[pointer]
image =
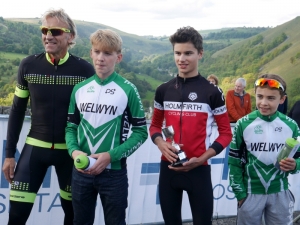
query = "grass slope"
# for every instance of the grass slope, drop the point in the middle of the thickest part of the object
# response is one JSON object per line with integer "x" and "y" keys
{"x": 281, "y": 64}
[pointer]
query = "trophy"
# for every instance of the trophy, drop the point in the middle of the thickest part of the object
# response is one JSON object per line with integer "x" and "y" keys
{"x": 169, "y": 133}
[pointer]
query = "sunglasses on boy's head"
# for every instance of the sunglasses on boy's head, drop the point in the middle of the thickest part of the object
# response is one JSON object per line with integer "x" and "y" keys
{"x": 54, "y": 31}
{"x": 271, "y": 82}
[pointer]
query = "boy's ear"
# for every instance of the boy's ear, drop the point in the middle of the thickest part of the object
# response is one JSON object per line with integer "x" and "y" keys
{"x": 91, "y": 53}
{"x": 282, "y": 99}
{"x": 200, "y": 55}
{"x": 119, "y": 57}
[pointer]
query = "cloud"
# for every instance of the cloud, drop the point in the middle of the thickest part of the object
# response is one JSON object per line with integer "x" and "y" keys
{"x": 158, "y": 9}
{"x": 164, "y": 17}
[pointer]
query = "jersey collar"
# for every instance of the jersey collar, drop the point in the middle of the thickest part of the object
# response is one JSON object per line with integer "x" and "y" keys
{"x": 61, "y": 61}
{"x": 107, "y": 80}
{"x": 188, "y": 79}
{"x": 267, "y": 118}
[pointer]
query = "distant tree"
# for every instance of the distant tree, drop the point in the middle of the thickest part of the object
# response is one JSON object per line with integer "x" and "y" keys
{"x": 146, "y": 103}
{"x": 1, "y": 43}
{"x": 33, "y": 50}
{"x": 292, "y": 60}
{"x": 16, "y": 62}
{"x": 7, "y": 101}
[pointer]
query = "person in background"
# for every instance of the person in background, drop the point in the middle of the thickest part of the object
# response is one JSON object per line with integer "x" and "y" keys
{"x": 47, "y": 79}
{"x": 260, "y": 188}
{"x": 238, "y": 102}
{"x": 190, "y": 104}
{"x": 103, "y": 109}
{"x": 213, "y": 79}
{"x": 295, "y": 112}
{"x": 283, "y": 107}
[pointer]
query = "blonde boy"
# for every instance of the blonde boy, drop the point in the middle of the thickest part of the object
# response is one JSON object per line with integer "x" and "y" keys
{"x": 102, "y": 110}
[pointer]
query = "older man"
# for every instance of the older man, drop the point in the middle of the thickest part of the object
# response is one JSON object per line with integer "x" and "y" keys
{"x": 238, "y": 102}
{"x": 47, "y": 79}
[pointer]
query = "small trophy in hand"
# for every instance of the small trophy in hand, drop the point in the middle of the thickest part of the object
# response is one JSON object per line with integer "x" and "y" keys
{"x": 169, "y": 133}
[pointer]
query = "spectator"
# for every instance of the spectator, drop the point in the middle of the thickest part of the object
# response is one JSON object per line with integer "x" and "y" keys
{"x": 213, "y": 79}
{"x": 238, "y": 102}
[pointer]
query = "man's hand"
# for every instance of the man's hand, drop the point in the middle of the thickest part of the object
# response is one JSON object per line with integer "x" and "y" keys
{"x": 75, "y": 153}
{"x": 103, "y": 159}
{"x": 288, "y": 164}
{"x": 9, "y": 169}
{"x": 167, "y": 149}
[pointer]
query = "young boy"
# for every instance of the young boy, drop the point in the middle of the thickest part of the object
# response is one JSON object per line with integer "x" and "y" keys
{"x": 190, "y": 104}
{"x": 102, "y": 110}
{"x": 260, "y": 188}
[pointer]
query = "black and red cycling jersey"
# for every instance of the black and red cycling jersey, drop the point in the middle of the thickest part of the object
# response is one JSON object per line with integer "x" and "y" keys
{"x": 191, "y": 105}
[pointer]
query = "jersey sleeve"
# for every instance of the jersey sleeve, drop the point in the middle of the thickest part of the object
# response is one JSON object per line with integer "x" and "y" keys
{"x": 73, "y": 121}
{"x": 17, "y": 113}
{"x": 158, "y": 115}
{"x": 221, "y": 117}
{"x": 234, "y": 161}
{"x": 138, "y": 127}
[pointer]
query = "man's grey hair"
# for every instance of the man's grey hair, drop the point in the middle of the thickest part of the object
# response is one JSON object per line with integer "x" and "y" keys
{"x": 242, "y": 81}
{"x": 62, "y": 16}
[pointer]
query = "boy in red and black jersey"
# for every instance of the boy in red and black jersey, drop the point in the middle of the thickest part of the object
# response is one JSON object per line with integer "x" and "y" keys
{"x": 190, "y": 104}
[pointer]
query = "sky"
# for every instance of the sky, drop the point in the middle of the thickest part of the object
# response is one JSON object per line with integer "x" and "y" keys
{"x": 162, "y": 17}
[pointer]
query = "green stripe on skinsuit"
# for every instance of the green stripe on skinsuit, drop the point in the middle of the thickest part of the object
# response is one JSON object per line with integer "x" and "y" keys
{"x": 43, "y": 144}
{"x": 21, "y": 93}
{"x": 66, "y": 195}
{"x": 20, "y": 196}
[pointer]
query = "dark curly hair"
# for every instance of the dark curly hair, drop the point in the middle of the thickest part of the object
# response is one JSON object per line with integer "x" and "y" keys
{"x": 187, "y": 34}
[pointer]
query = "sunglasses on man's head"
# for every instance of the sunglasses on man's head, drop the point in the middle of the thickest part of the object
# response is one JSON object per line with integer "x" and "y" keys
{"x": 271, "y": 82}
{"x": 54, "y": 31}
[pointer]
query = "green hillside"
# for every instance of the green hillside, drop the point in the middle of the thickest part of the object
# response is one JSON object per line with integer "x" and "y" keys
{"x": 229, "y": 53}
{"x": 282, "y": 59}
{"x": 138, "y": 45}
{"x": 14, "y": 47}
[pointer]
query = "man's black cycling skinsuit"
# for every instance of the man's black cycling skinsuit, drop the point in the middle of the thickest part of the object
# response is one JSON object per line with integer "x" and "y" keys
{"x": 49, "y": 85}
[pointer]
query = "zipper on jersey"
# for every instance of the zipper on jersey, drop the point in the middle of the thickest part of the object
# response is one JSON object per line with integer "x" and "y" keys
{"x": 53, "y": 101}
{"x": 181, "y": 100}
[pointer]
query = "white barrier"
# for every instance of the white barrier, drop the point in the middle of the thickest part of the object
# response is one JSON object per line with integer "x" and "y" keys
{"x": 143, "y": 201}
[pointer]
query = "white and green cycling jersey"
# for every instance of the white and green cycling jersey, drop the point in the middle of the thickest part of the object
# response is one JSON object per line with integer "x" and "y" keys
{"x": 101, "y": 115}
{"x": 263, "y": 137}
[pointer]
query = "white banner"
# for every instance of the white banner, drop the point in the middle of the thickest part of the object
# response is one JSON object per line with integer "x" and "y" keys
{"x": 143, "y": 201}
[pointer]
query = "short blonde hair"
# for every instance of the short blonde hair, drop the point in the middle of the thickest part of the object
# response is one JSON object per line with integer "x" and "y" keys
{"x": 214, "y": 77}
{"x": 62, "y": 16}
{"x": 107, "y": 39}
